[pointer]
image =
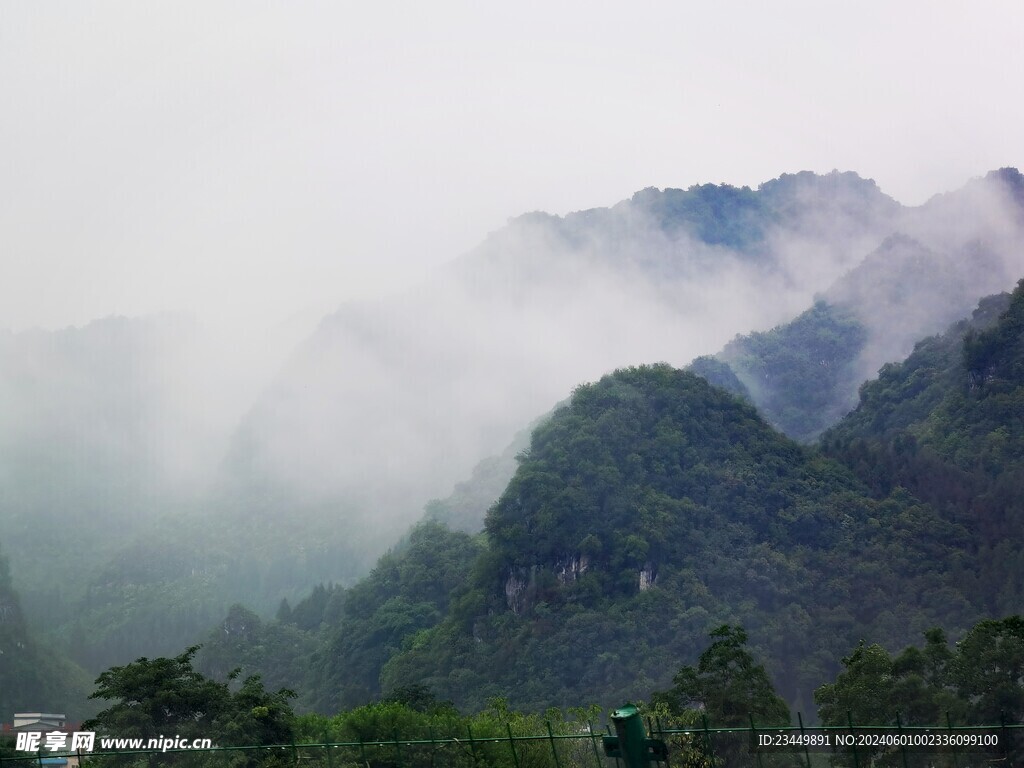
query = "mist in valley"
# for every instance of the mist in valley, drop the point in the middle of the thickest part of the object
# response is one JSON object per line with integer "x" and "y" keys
{"x": 263, "y": 303}
{"x": 290, "y": 469}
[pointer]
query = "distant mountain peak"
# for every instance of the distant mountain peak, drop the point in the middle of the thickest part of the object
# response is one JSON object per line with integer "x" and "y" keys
{"x": 1008, "y": 175}
{"x": 834, "y": 178}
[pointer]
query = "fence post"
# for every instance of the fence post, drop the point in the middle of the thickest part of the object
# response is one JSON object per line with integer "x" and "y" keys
{"x": 753, "y": 736}
{"x": 608, "y": 727}
{"x": 899, "y": 731}
{"x": 593, "y": 743}
{"x": 956, "y": 749}
{"x": 1002, "y": 734}
{"x": 327, "y": 746}
{"x": 803, "y": 737}
{"x": 398, "y": 749}
{"x": 707, "y": 738}
{"x": 362, "y": 752}
{"x": 472, "y": 744}
{"x": 849, "y": 719}
{"x": 551, "y": 738}
{"x": 512, "y": 745}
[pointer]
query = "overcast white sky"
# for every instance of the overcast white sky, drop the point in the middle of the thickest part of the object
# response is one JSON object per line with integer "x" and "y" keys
{"x": 252, "y": 161}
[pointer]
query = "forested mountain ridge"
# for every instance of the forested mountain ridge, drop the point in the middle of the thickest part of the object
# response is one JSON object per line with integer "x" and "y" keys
{"x": 744, "y": 220}
{"x": 804, "y": 375}
{"x": 949, "y": 366}
{"x": 652, "y": 507}
{"x": 548, "y": 301}
{"x": 948, "y": 424}
{"x": 331, "y": 646}
{"x": 543, "y": 303}
{"x": 392, "y": 402}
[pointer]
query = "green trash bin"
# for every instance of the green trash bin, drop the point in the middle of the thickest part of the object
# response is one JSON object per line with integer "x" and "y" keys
{"x": 630, "y": 742}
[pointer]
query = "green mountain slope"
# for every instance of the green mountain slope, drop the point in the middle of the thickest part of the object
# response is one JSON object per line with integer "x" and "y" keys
{"x": 654, "y": 506}
{"x": 409, "y": 591}
{"x": 804, "y": 375}
{"x": 390, "y": 403}
{"x": 554, "y": 300}
{"x": 465, "y": 507}
{"x": 332, "y": 646}
{"x": 948, "y": 424}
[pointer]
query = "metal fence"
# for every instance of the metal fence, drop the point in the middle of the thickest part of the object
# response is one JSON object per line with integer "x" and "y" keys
{"x": 701, "y": 746}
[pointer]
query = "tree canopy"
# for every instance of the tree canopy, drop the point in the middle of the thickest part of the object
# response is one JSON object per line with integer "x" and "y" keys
{"x": 157, "y": 697}
{"x": 727, "y": 684}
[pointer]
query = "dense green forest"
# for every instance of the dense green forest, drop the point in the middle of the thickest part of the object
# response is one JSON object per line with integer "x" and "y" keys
{"x": 648, "y": 509}
{"x": 804, "y": 375}
{"x": 948, "y": 425}
{"x": 979, "y": 681}
{"x": 618, "y": 272}
{"x": 653, "y": 506}
{"x": 332, "y": 645}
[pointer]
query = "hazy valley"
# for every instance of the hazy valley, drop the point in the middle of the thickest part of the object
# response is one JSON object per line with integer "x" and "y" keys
{"x": 146, "y": 490}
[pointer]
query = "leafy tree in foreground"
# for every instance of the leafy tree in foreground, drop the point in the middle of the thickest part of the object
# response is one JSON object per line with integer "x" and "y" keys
{"x": 727, "y": 683}
{"x": 989, "y": 669}
{"x": 417, "y": 697}
{"x": 977, "y": 682}
{"x": 502, "y": 737}
{"x": 864, "y": 689}
{"x": 733, "y": 691}
{"x": 167, "y": 697}
{"x": 156, "y": 696}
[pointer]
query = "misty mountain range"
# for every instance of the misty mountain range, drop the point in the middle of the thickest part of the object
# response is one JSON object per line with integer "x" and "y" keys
{"x": 651, "y": 507}
{"x": 127, "y": 434}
